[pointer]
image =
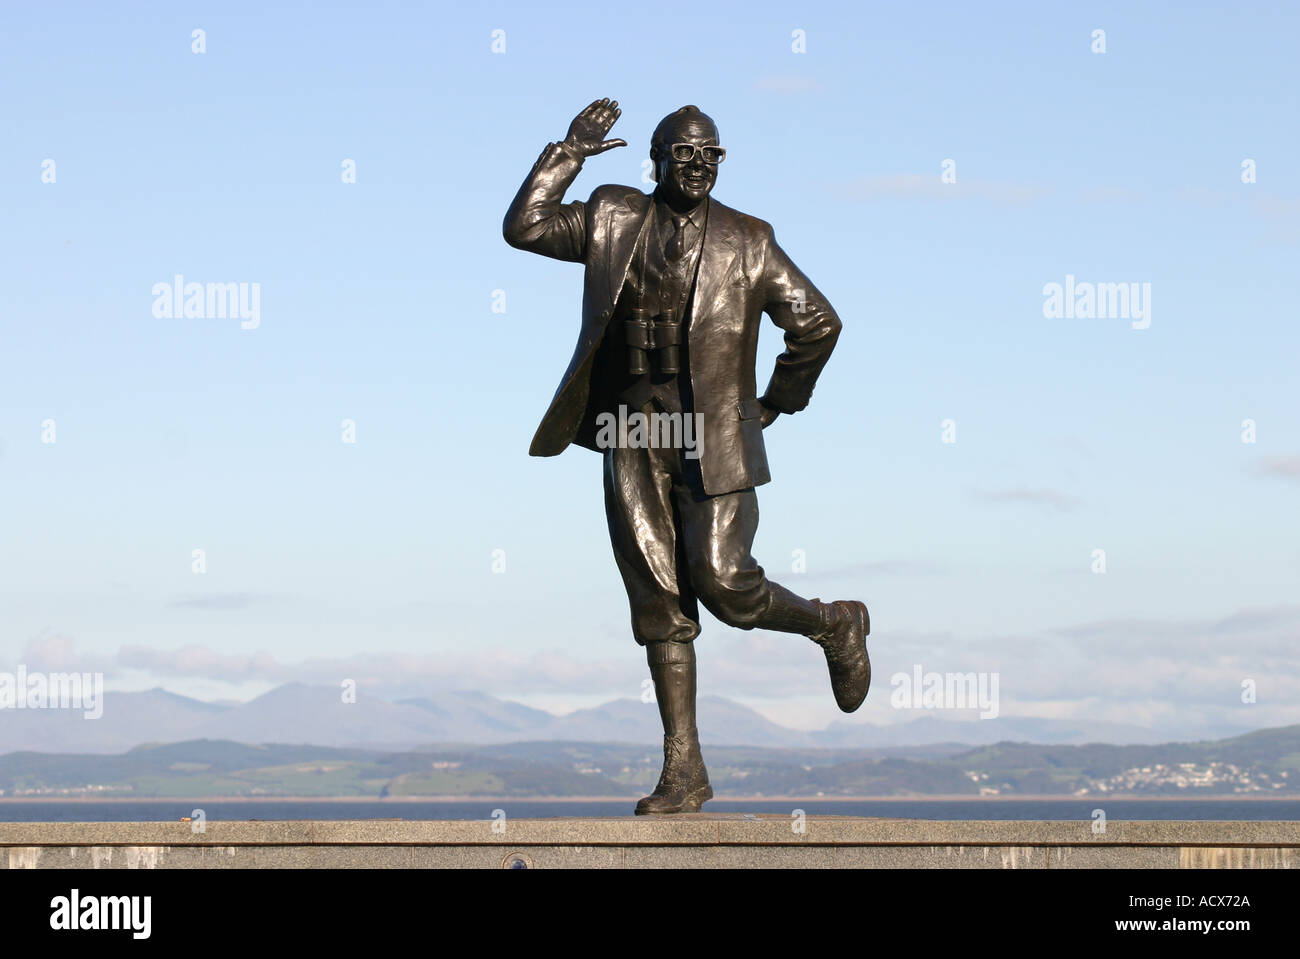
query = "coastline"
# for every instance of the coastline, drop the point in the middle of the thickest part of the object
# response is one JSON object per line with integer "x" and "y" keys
{"x": 631, "y": 797}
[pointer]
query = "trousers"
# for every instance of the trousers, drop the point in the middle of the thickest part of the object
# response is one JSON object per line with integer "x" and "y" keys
{"x": 677, "y": 547}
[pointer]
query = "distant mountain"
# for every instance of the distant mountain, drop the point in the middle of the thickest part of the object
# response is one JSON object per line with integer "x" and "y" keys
{"x": 930, "y": 729}
{"x": 298, "y": 713}
{"x": 1265, "y": 763}
{"x": 468, "y": 716}
{"x": 632, "y": 721}
{"x": 128, "y": 720}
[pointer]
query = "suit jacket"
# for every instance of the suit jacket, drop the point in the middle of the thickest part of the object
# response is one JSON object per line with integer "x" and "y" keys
{"x": 742, "y": 274}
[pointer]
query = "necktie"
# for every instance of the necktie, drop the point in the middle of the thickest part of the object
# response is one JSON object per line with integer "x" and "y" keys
{"x": 677, "y": 242}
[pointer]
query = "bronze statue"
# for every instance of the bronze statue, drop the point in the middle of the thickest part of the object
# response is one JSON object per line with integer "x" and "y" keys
{"x": 674, "y": 288}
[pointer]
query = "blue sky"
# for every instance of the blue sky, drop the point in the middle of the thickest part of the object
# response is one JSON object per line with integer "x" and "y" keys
{"x": 328, "y": 560}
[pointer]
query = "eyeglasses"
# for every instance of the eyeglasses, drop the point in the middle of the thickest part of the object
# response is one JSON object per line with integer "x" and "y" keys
{"x": 685, "y": 153}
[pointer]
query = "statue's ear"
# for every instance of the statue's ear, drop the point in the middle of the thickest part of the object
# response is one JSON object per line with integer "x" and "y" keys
{"x": 654, "y": 164}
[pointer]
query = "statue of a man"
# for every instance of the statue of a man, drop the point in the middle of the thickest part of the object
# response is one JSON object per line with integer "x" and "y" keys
{"x": 675, "y": 285}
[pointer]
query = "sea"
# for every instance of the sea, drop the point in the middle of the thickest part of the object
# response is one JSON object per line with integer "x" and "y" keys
{"x": 164, "y": 810}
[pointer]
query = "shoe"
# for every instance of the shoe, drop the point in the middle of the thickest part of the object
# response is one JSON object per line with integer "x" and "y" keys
{"x": 684, "y": 782}
{"x": 845, "y": 645}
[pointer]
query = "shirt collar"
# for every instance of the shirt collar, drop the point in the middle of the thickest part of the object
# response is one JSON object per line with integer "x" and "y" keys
{"x": 696, "y": 216}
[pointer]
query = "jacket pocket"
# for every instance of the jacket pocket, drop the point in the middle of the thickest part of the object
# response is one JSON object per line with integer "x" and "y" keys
{"x": 752, "y": 449}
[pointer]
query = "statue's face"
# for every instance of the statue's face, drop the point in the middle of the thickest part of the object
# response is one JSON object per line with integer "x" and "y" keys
{"x": 686, "y": 183}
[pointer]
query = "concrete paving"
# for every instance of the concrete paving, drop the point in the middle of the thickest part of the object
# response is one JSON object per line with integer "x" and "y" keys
{"x": 702, "y": 840}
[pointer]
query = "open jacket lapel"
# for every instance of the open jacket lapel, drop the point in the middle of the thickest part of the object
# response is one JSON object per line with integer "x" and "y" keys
{"x": 717, "y": 257}
{"x": 626, "y": 223}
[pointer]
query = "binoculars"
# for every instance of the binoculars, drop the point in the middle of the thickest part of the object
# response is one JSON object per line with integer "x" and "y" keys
{"x": 656, "y": 338}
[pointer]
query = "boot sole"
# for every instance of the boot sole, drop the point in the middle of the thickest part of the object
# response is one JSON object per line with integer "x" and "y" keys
{"x": 694, "y": 799}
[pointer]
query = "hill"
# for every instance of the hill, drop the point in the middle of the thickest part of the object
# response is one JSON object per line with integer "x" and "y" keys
{"x": 1262, "y": 763}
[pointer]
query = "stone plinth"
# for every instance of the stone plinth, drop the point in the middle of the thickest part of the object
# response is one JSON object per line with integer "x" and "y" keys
{"x": 696, "y": 841}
